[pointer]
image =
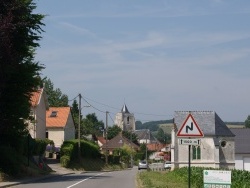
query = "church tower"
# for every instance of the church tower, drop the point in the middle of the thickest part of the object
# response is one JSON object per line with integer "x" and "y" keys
{"x": 125, "y": 120}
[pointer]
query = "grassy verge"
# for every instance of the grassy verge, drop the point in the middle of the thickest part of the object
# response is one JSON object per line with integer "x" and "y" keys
{"x": 151, "y": 179}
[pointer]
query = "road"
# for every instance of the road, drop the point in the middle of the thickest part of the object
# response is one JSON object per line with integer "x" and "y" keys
{"x": 114, "y": 179}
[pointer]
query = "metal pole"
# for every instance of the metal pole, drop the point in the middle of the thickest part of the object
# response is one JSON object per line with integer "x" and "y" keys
{"x": 189, "y": 169}
{"x": 131, "y": 157}
{"x": 106, "y": 129}
{"x": 147, "y": 147}
{"x": 79, "y": 132}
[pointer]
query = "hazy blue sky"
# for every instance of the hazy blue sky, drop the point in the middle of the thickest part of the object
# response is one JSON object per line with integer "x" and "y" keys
{"x": 157, "y": 56}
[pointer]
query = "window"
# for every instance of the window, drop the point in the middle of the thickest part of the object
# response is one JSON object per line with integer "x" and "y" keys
{"x": 223, "y": 143}
{"x": 53, "y": 114}
{"x": 127, "y": 120}
{"x": 47, "y": 134}
{"x": 196, "y": 152}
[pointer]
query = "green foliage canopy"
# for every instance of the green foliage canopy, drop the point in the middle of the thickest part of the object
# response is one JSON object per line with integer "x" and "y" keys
{"x": 55, "y": 96}
{"x": 20, "y": 31}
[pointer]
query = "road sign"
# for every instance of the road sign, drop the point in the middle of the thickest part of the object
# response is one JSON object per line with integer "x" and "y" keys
{"x": 183, "y": 141}
{"x": 190, "y": 128}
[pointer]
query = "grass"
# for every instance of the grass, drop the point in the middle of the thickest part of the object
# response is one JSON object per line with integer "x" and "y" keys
{"x": 152, "y": 179}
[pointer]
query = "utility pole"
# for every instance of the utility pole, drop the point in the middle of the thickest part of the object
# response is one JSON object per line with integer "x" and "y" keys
{"x": 79, "y": 132}
{"x": 106, "y": 130}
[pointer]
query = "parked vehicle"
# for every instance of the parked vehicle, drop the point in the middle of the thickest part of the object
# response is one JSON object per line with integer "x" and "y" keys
{"x": 167, "y": 165}
{"x": 142, "y": 165}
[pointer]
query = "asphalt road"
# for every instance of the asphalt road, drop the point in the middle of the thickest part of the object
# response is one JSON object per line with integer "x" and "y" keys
{"x": 114, "y": 179}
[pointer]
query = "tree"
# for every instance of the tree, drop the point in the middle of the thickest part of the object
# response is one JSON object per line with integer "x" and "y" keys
{"x": 247, "y": 122}
{"x": 130, "y": 136}
{"x": 75, "y": 115}
{"x": 55, "y": 96}
{"x": 113, "y": 131}
{"x": 20, "y": 31}
{"x": 91, "y": 125}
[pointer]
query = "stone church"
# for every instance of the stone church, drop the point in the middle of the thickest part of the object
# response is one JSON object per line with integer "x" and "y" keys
{"x": 125, "y": 120}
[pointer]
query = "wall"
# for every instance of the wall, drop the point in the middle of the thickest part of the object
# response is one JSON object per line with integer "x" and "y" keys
{"x": 57, "y": 135}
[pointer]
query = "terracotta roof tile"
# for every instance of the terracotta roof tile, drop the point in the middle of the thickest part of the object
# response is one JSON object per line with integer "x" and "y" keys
{"x": 60, "y": 118}
{"x": 35, "y": 97}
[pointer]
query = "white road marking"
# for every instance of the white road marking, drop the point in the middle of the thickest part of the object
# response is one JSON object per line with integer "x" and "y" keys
{"x": 84, "y": 180}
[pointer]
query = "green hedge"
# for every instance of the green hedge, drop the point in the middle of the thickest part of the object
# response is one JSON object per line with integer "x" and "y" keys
{"x": 88, "y": 150}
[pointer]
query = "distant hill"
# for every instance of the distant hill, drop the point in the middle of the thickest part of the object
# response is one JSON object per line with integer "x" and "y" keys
{"x": 167, "y": 125}
{"x": 152, "y": 125}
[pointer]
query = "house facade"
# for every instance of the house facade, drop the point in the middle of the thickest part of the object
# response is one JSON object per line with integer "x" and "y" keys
{"x": 217, "y": 147}
{"x": 39, "y": 105}
{"x": 59, "y": 125}
{"x": 125, "y": 120}
{"x": 242, "y": 148}
{"x": 117, "y": 142}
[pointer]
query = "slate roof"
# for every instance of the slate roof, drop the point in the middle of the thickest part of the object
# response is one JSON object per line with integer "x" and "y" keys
{"x": 124, "y": 109}
{"x": 242, "y": 140}
{"x": 144, "y": 134}
{"x": 119, "y": 141}
{"x": 60, "y": 118}
{"x": 208, "y": 121}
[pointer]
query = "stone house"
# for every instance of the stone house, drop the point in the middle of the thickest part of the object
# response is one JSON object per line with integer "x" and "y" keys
{"x": 59, "y": 125}
{"x": 217, "y": 147}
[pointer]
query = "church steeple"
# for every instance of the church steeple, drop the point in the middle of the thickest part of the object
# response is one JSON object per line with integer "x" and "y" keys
{"x": 124, "y": 109}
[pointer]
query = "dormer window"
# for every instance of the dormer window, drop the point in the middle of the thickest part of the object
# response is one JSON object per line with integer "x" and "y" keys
{"x": 53, "y": 114}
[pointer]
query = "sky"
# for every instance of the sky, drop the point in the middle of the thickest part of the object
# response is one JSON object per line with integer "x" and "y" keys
{"x": 155, "y": 56}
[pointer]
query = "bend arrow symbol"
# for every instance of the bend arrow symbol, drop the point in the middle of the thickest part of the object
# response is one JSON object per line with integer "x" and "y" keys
{"x": 190, "y": 128}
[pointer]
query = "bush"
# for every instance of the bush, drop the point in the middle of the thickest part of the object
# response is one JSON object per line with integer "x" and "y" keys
{"x": 65, "y": 161}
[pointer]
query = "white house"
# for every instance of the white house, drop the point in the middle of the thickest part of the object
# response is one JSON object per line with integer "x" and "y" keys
{"x": 217, "y": 147}
{"x": 59, "y": 125}
{"x": 39, "y": 105}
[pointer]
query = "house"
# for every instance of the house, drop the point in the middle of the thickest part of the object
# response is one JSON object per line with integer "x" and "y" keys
{"x": 100, "y": 141}
{"x": 145, "y": 136}
{"x": 216, "y": 148}
{"x": 39, "y": 105}
{"x": 59, "y": 125}
{"x": 125, "y": 120}
{"x": 117, "y": 142}
{"x": 242, "y": 148}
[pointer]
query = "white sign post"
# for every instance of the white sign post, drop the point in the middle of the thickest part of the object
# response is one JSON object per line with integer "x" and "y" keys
{"x": 189, "y": 129}
{"x": 184, "y": 141}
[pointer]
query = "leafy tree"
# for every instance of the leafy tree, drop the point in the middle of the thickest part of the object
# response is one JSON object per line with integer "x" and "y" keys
{"x": 247, "y": 122}
{"x": 75, "y": 115}
{"x": 19, "y": 74}
{"x": 162, "y": 136}
{"x": 130, "y": 136}
{"x": 91, "y": 125}
{"x": 55, "y": 96}
{"x": 113, "y": 131}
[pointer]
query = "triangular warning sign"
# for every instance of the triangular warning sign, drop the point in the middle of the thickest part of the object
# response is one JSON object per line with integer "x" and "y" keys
{"x": 190, "y": 128}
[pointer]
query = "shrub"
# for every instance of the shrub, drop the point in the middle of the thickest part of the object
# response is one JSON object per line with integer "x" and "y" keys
{"x": 65, "y": 161}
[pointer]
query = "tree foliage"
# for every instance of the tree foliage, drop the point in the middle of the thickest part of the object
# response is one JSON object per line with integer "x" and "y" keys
{"x": 55, "y": 96}
{"x": 130, "y": 136}
{"x": 20, "y": 31}
{"x": 113, "y": 131}
{"x": 91, "y": 125}
{"x": 247, "y": 122}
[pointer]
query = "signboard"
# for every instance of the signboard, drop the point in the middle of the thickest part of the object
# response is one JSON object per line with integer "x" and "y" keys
{"x": 184, "y": 141}
{"x": 190, "y": 128}
{"x": 217, "y": 178}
